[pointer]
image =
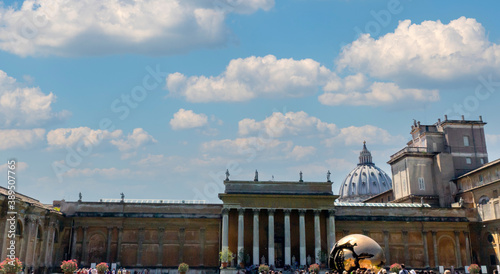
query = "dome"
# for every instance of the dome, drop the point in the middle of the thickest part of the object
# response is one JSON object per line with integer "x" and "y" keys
{"x": 365, "y": 181}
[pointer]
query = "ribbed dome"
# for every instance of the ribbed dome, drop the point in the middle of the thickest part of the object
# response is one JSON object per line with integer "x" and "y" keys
{"x": 365, "y": 180}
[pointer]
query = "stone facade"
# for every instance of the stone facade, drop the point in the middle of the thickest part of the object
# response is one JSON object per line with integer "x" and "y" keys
{"x": 39, "y": 233}
{"x": 449, "y": 218}
{"x": 436, "y": 155}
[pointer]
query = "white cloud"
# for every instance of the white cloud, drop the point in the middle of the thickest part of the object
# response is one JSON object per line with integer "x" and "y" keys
{"x": 300, "y": 152}
{"x": 185, "y": 119}
{"x": 66, "y": 137}
{"x": 252, "y": 77}
{"x": 492, "y": 139}
{"x": 106, "y": 172}
{"x": 69, "y": 137}
{"x": 20, "y": 138}
{"x": 246, "y": 146}
{"x": 291, "y": 123}
{"x": 430, "y": 50}
{"x": 25, "y": 106}
{"x": 356, "y": 135}
{"x": 377, "y": 94}
{"x": 245, "y": 79}
{"x": 139, "y": 137}
{"x": 151, "y": 160}
{"x": 57, "y": 27}
{"x": 20, "y": 166}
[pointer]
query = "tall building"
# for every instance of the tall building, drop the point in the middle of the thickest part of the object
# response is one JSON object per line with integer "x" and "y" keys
{"x": 424, "y": 170}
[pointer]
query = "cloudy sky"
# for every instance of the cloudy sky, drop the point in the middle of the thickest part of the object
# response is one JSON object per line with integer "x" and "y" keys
{"x": 156, "y": 99}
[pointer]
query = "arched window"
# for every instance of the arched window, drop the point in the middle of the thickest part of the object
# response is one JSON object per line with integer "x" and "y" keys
{"x": 483, "y": 200}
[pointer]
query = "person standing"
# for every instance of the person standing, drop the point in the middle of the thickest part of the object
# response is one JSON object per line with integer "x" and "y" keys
{"x": 403, "y": 269}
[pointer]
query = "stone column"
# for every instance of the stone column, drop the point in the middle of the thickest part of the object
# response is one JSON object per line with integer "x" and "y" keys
{"x": 241, "y": 234}
{"x": 457, "y": 248}
{"x": 119, "y": 245}
{"x": 317, "y": 236}
{"x": 5, "y": 240}
{"x": 108, "y": 244}
{"x": 426, "y": 249}
{"x": 386, "y": 246}
{"x": 44, "y": 246}
{"x": 256, "y": 236}
{"x": 35, "y": 241}
{"x": 49, "y": 261}
{"x": 73, "y": 243}
{"x": 467, "y": 248}
{"x": 330, "y": 230}
{"x": 84, "y": 246}
{"x": 46, "y": 243}
{"x": 302, "y": 233}
{"x": 405, "y": 241}
{"x": 270, "y": 237}
{"x": 27, "y": 237}
{"x": 288, "y": 251}
{"x": 53, "y": 237}
{"x": 202, "y": 246}
{"x": 434, "y": 243}
{"x": 139, "y": 246}
{"x": 225, "y": 228}
{"x": 161, "y": 233}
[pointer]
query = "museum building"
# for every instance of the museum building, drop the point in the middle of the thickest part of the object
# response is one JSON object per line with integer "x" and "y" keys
{"x": 440, "y": 208}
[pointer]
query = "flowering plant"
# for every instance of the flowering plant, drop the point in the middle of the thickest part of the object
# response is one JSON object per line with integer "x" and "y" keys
{"x": 474, "y": 269}
{"x": 225, "y": 255}
{"x": 395, "y": 268}
{"x": 69, "y": 266}
{"x": 314, "y": 268}
{"x": 263, "y": 268}
{"x": 102, "y": 267}
{"x": 183, "y": 267}
{"x": 11, "y": 266}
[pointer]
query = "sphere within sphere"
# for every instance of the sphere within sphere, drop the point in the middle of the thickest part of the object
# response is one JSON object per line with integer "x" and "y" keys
{"x": 356, "y": 251}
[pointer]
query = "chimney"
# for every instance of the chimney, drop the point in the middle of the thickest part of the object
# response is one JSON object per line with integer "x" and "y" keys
{"x": 439, "y": 120}
{"x": 446, "y": 117}
{"x": 463, "y": 118}
{"x": 480, "y": 118}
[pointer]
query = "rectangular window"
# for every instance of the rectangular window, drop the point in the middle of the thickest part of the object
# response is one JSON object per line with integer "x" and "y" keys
{"x": 481, "y": 179}
{"x": 466, "y": 141}
{"x": 468, "y": 161}
{"x": 482, "y": 161}
{"x": 421, "y": 183}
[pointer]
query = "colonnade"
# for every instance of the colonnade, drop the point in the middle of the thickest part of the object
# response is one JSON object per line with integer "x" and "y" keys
{"x": 330, "y": 229}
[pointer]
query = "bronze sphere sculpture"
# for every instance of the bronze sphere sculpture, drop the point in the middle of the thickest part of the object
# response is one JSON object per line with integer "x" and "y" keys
{"x": 356, "y": 251}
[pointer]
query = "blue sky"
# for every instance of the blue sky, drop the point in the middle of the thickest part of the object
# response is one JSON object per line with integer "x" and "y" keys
{"x": 157, "y": 99}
